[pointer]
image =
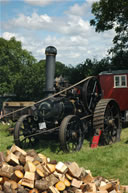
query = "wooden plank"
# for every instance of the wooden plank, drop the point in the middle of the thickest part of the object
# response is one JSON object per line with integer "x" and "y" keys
{"x": 18, "y": 104}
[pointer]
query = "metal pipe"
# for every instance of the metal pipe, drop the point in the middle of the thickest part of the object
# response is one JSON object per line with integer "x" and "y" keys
{"x": 50, "y": 52}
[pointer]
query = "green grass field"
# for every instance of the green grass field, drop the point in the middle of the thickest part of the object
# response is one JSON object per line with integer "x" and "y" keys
{"x": 108, "y": 161}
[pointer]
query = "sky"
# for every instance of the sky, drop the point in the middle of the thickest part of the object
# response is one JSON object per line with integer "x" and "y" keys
{"x": 64, "y": 24}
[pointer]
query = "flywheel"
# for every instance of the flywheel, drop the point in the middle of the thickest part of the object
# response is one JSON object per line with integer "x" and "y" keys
{"x": 91, "y": 93}
{"x": 107, "y": 119}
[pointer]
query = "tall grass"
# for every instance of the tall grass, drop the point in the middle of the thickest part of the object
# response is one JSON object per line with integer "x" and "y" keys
{"x": 108, "y": 161}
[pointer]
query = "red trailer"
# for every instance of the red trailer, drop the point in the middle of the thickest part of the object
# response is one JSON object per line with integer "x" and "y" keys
{"x": 114, "y": 85}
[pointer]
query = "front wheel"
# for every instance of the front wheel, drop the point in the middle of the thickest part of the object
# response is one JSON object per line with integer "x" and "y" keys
{"x": 24, "y": 131}
{"x": 71, "y": 133}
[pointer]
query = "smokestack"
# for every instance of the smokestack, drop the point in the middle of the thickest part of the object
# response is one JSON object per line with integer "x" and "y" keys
{"x": 50, "y": 68}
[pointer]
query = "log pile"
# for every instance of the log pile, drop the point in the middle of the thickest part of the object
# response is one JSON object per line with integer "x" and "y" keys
{"x": 29, "y": 172}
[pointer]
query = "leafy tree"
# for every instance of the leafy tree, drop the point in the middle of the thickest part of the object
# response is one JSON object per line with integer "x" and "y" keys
{"x": 13, "y": 60}
{"x": 30, "y": 82}
{"x": 112, "y": 14}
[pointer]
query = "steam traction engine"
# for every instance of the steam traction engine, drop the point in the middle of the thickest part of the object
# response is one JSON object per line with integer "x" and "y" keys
{"x": 74, "y": 113}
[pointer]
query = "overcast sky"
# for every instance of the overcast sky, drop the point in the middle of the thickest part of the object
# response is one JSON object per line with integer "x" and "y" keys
{"x": 60, "y": 23}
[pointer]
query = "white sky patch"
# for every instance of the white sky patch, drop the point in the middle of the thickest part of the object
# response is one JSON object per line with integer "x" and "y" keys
{"x": 41, "y": 2}
{"x": 34, "y": 21}
{"x": 8, "y": 36}
{"x": 82, "y": 9}
{"x": 71, "y": 33}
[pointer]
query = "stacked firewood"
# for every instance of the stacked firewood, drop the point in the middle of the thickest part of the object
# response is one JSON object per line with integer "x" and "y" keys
{"x": 29, "y": 172}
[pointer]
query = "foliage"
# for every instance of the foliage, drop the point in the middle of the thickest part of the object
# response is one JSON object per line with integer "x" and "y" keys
{"x": 87, "y": 68}
{"x": 30, "y": 82}
{"x": 13, "y": 60}
{"x": 109, "y": 161}
{"x": 111, "y": 14}
{"x": 20, "y": 73}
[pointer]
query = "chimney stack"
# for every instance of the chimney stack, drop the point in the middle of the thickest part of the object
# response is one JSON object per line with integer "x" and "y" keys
{"x": 50, "y": 52}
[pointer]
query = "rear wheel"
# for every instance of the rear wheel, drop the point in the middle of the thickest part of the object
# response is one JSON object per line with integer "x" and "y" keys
{"x": 107, "y": 118}
{"x": 71, "y": 133}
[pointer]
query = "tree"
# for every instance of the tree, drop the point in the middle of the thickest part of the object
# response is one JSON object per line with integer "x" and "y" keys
{"x": 21, "y": 74}
{"x": 30, "y": 83}
{"x": 112, "y": 14}
{"x": 13, "y": 61}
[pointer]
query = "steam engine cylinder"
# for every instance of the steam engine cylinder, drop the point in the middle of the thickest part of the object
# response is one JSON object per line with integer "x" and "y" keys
{"x": 54, "y": 109}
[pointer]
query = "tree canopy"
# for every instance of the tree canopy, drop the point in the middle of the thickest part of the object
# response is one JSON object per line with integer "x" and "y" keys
{"x": 20, "y": 73}
{"x": 17, "y": 69}
{"x": 112, "y": 14}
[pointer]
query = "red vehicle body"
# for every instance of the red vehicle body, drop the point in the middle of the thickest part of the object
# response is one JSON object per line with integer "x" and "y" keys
{"x": 114, "y": 85}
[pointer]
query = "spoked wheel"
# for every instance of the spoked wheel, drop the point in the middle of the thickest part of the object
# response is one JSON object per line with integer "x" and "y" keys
{"x": 71, "y": 134}
{"x": 24, "y": 129}
{"x": 91, "y": 93}
{"x": 107, "y": 118}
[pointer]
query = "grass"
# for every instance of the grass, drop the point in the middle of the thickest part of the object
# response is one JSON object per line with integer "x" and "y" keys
{"x": 108, "y": 161}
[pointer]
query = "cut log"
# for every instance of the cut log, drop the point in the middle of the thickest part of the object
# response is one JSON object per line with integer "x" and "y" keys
{"x": 21, "y": 189}
{"x": 44, "y": 192}
{"x": 12, "y": 159}
{"x": 78, "y": 191}
{"x": 105, "y": 187}
{"x": 43, "y": 157}
{"x": 29, "y": 166}
{"x": 5, "y": 174}
{"x": 83, "y": 173}
{"x": 2, "y": 157}
{"x": 29, "y": 158}
{"x": 18, "y": 154}
{"x": 113, "y": 191}
{"x": 15, "y": 148}
{"x": 19, "y": 167}
{"x": 51, "y": 180}
{"x": 7, "y": 168}
{"x": 17, "y": 175}
{"x": 22, "y": 159}
{"x": 87, "y": 179}
{"x": 69, "y": 176}
{"x": 124, "y": 188}
{"x": 76, "y": 183}
{"x": 41, "y": 185}
{"x": 20, "y": 182}
{"x": 105, "y": 191}
{"x": 91, "y": 187}
{"x": 52, "y": 189}
{"x": 53, "y": 162}
{"x": 39, "y": 172}
{"x": 45, "y": 170}
{"x": 28, "y": 179}
{"x": 60, "y": 186}
{"x": 14, "y": 185}
{"x": 102, "y": 183}
{"x": 1, "y": 180}
{"x": 5, "y": 179}
{"x": 74, "y": 169}
{"x": 1, "y": 188}
{"x": 58, "y": 175}
{"x": 34, "y": 190}
{"x": 32, "y": 153}
{"x": 67, "y": 183}
{"x": 36, "y": 162}
{"x": 61, "y": 167}
{"x": 51, "y": 167}
{"x": 7, "y": 187}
